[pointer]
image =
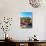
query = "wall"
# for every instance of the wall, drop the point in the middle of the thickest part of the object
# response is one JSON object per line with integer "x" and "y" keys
{"x": 11, "y": 8}
{"x": 45, "y": 28}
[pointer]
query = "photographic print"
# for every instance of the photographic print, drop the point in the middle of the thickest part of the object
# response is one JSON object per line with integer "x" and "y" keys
{"x": 26, "y": 19}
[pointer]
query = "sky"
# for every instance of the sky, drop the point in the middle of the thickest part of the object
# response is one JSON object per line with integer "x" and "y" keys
{"x": 26, "y": 14}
